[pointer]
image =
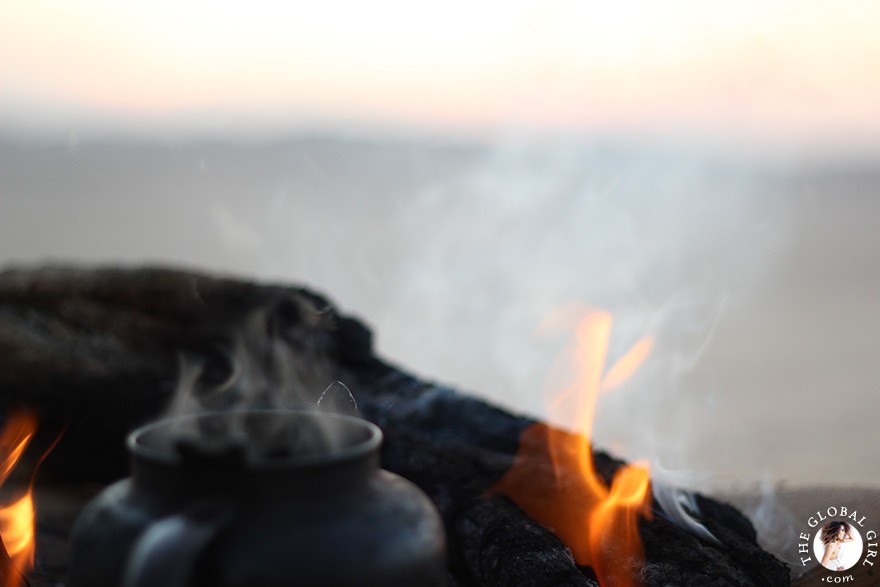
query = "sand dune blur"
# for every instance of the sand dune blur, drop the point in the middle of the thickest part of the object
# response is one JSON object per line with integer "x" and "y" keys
{"x": 759, "y": 278}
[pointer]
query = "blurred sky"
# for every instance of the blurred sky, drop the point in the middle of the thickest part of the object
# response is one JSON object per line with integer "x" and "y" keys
{"x": 777, "y": 71}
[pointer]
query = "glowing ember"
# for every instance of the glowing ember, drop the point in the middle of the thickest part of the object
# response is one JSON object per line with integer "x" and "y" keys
{"x": 17, "y": 519}
{"x": 553, "y": 478}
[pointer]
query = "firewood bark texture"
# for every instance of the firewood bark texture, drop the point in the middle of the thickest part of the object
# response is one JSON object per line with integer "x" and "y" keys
{"x": 100, "y": 351}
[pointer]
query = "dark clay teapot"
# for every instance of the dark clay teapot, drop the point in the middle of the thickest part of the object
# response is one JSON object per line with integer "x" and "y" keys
{"x": 259, "y": 498}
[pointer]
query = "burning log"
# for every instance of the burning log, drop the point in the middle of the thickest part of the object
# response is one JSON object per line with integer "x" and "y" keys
{"x": 102, "y": 351}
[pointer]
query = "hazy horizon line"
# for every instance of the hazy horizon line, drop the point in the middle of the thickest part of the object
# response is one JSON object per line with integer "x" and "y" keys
{"x": 859, "y": 151}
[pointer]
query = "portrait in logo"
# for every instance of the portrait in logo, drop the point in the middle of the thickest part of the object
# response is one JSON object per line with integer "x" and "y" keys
{"x": 837, "y": 545}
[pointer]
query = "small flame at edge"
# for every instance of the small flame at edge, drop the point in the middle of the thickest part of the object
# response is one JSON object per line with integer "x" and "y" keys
{"x": 17, "y": 520}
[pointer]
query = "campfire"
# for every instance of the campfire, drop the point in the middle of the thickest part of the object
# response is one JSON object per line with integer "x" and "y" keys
{"x": 597, "y": 522}
{"x": 521, "y": 502}
{"x": 17, "y": 518}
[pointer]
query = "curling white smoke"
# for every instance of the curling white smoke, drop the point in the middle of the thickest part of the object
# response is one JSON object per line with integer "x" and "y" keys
{"x": 252, "y": 373}
{"x": 664, "y": 242}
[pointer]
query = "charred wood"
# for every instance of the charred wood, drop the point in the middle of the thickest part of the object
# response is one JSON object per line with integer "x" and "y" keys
{"x": 99, "y": 352}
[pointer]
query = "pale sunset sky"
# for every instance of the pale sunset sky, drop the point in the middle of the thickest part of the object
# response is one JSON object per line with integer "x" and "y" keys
{"x": 766, "y": 69}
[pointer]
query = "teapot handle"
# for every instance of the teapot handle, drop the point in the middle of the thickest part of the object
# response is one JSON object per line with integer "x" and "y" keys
{"x": 165, "y": 554}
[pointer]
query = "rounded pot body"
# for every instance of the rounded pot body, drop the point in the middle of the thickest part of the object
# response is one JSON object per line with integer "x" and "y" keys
{"x": 211, "y": 513}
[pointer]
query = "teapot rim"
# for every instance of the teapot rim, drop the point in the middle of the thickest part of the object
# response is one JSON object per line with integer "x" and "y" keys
{"x": 370, "y": 438}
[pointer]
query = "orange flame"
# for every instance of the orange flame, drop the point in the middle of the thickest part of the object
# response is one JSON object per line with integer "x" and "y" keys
{"x": 17, "y": 519}
{"x": 553, "y": 478}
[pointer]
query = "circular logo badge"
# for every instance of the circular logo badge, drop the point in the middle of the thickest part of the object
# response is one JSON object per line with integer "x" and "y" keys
{"x": 837, "y": 545}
